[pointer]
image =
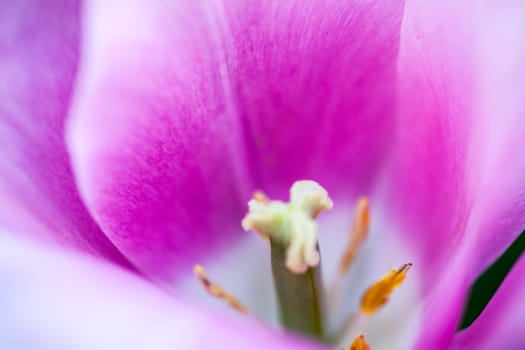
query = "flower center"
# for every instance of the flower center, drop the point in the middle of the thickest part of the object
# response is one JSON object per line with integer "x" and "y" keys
{"x": 291, "y": 230}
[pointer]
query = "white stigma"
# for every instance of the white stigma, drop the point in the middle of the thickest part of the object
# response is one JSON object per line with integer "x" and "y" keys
{"x": 293, "y": 224}
{"x": 310, "y": 196}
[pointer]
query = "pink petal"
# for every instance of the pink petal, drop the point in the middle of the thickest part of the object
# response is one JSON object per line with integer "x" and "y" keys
{"x": 430, "y": 196}
{"x": 173, "y": 97}
{"x": 500, "y": 325}
{"x": 38, "y": 62}
{"x": 316, "y": 87}
{"x": 52, "y": 299}
{"x": 156, "y": 143}
{"x": 459, "y": 185}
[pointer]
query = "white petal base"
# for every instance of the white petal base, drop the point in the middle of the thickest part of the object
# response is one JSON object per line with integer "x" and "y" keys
{"x": 245, "y": 271}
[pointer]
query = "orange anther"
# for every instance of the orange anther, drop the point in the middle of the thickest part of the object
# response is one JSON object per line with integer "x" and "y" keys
{"x": 358, "y": 235}
{"x": 377, "y": 295}
{"x": 360, "y": 343}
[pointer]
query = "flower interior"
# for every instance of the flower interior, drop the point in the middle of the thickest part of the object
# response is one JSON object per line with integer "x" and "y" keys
{"x": 291, "y": 232}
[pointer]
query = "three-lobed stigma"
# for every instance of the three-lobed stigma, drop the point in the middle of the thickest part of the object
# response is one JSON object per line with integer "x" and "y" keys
{"x": 291, "y": 224}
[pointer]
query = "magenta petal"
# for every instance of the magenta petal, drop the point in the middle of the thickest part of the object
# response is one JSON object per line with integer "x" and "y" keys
{"x": 52, "y": 299}
{"x": 500, "y": 325}
{"x": 155, "y": 139}
{"x": 38, "y": 62}
{"x": 315, "y": 82}
{"x": 169, "y": 98}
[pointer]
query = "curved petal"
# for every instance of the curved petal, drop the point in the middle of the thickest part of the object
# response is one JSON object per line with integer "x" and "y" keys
{"x": 459, "y": 185}
{"x": 38, "y": 62}
{"x": 430, "y": 197}
{"x": 500, "y": 325}
{"x": 182, "y": 87}
{"x": 155, "y": 141}
{"x": 315, "y": 81}
{"x": 499, "y": 174}
{"x": 52, "y": 299}
{"x": 460, "y": 125}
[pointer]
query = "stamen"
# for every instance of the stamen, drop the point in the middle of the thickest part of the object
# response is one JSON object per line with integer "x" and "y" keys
{"x": 377, "y": 295}
{"x": 358, "y": 235}
{"x": 360, "y": 343}
{"x": 217, "y": 291}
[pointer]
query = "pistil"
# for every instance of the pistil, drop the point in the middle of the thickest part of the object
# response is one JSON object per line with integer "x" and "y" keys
{"x": 298, "y": 294}
{"x": 292, "y": 231}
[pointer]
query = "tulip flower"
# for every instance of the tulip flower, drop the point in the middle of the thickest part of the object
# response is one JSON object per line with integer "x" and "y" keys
{"x": 134, "y": 133}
